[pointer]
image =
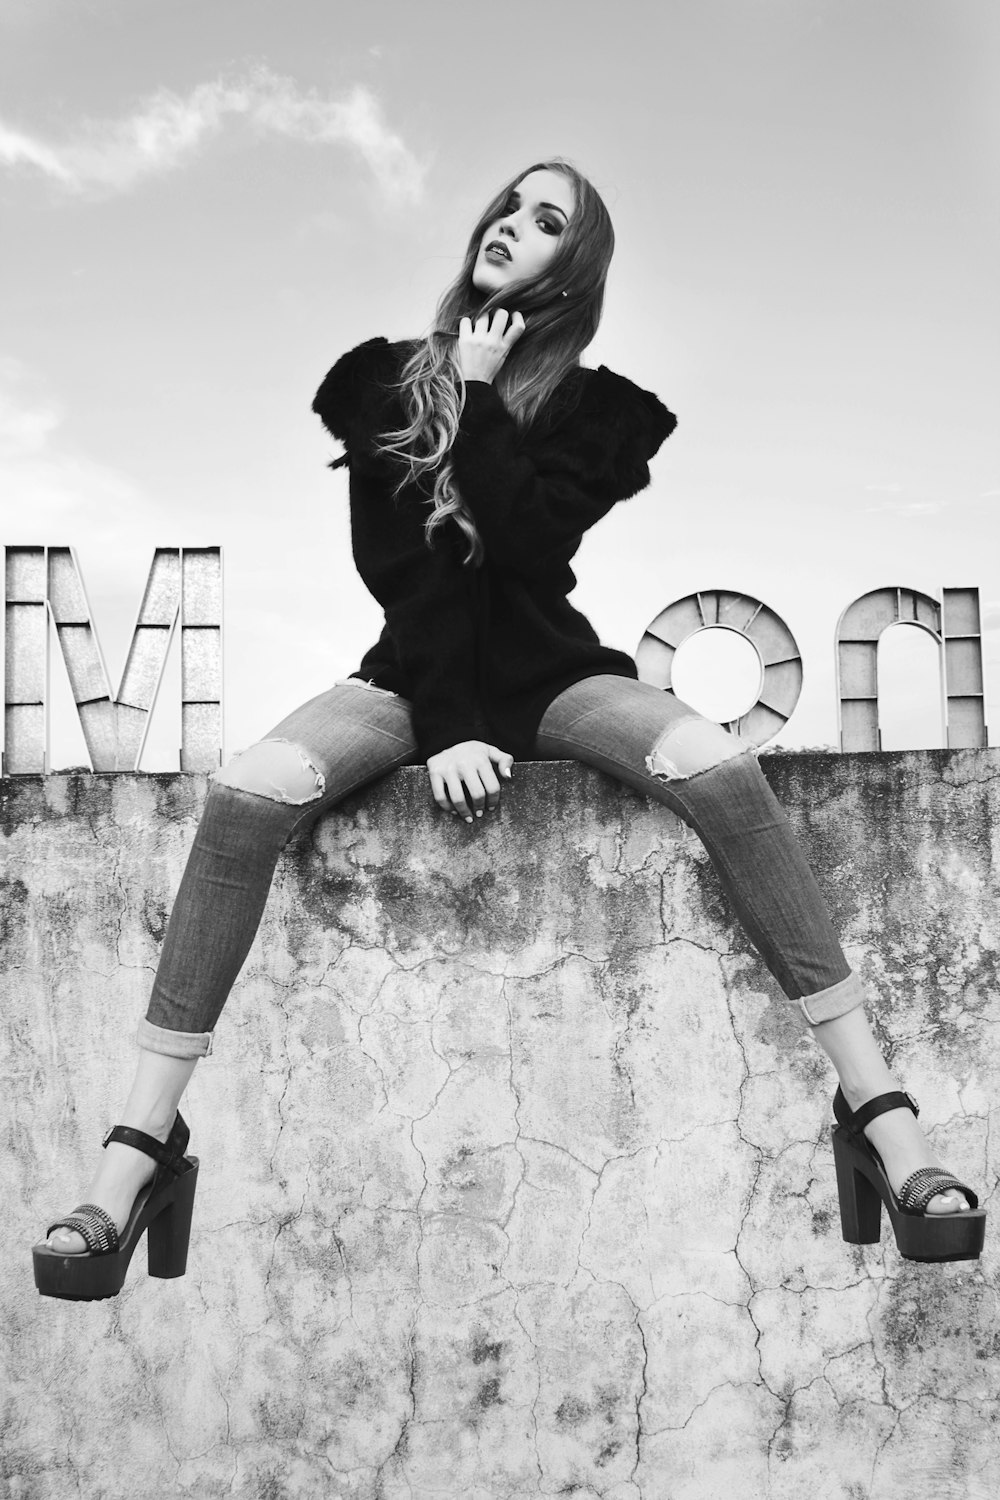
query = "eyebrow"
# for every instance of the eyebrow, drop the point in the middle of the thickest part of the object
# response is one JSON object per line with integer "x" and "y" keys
{"x": 514, "y": 193}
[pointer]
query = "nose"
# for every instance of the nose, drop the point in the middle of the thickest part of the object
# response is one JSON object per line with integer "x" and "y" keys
{"x": 506, "y": 226}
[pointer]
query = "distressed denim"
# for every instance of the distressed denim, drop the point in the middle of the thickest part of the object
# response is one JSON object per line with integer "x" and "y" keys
{"x": 354, "y": 733}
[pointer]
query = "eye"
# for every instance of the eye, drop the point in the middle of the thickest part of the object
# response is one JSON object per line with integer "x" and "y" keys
{"x": 550, "y": 226}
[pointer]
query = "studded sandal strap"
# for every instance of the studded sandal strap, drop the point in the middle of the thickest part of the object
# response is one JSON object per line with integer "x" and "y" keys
{"x": 128, "y": 1136}
{"x": 924, "y": 1184}
{"x": 880, "y": 1105}
{"x": 97, "y": 1228}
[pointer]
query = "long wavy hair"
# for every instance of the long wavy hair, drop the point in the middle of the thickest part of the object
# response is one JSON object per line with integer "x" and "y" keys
{"x": 562, "y": 308}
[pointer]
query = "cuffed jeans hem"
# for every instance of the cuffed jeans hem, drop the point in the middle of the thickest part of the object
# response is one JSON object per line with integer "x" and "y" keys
{"x": 184, "y": 1044}
{"x": 828, "y": 1004}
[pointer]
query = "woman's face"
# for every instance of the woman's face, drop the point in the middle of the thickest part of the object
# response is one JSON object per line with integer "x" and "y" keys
{"x": 518, "y": 245}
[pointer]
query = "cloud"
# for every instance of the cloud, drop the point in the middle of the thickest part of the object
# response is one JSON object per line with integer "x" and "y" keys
{"x": 894, "y": 504}
{"x": 25, "y": 425}
{"x": 43, "y": 481}
{"x": 905, "y": 507}
{"x": 168, "y": 129}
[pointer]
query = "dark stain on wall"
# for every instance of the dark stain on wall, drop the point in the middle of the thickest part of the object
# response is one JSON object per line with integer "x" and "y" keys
{"x": 607, "y": 1453}
{"x": 13, "y": 904}
{"x": 154, "y": 916}
{"x": 488, "y": 1394}
{"x": 571, "y": 1412}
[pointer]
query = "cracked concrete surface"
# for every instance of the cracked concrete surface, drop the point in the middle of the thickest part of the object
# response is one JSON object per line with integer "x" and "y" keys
{"x": 516, "y": 1177}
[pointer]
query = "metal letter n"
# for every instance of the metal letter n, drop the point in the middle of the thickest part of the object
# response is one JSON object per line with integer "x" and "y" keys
{"x": 954, "y": 624}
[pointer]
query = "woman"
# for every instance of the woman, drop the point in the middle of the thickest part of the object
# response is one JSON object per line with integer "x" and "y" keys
{"x": 478, "y": 457}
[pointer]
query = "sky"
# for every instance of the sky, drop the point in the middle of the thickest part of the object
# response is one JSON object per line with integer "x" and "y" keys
{"x": 202, "y": 205}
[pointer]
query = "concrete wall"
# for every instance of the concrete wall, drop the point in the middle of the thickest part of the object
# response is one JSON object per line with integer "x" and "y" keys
{"x": 516, "y": 1176}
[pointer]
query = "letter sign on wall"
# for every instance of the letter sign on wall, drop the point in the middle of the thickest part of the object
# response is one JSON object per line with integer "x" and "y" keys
{"x": 45, "y": 583}
{"x": 780, "y": 659}
{"x": 954, "y": 624}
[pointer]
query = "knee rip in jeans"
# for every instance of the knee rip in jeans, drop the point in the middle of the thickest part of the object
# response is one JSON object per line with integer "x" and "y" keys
{"x": 692, "y": 746}
{"x": 275, "y": 769}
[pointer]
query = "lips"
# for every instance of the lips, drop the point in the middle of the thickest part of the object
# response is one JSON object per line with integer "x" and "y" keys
{"x": 497, "y": 250}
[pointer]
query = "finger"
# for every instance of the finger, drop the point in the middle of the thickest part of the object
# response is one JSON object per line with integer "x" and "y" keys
{"x": 492, "y": 787}
{"x": 475, "y": 792}
{"x": 517, "y": 326}
{"x": 483, "y": 324}
{"x": 499, "y": 322}
{"x": 438, "y": 791}
{"x": 503, "y": 759}
{"x": 465, "y": 328}
{"x": 456, "y": 792}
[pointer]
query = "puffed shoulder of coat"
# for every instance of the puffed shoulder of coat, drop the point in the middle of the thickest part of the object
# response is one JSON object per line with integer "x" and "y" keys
{"x": 358, "y": 399}
{"x": 606, "y": 425}
{"x": 597, "y": 422}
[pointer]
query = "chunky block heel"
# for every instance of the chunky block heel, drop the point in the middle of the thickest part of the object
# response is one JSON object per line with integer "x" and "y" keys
{"x": 169, "y": 1234}
{"x": 860, "y": 1204}
{"x": 162, "y": 1211}
{"x": 863, "y": 1189}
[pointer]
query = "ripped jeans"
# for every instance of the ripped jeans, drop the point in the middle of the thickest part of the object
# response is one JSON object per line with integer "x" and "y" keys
{"x": 354, "y": 733}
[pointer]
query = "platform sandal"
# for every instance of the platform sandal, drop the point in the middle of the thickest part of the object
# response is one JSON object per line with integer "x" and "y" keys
{"x": 162, "y": 1211}
{"x": 863, "y": 1188}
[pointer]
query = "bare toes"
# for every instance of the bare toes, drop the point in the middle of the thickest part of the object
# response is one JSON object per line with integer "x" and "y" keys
{"x": 948, "y": 1203}
{"x": 67, "y": 1242}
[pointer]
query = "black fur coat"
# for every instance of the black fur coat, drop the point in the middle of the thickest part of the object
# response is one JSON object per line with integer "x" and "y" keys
{"x": 501, "y": 638}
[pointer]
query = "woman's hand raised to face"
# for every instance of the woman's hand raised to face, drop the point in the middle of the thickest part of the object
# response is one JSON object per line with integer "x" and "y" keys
{"x": 483, "y": 346}
{"x": 463, "y": 779}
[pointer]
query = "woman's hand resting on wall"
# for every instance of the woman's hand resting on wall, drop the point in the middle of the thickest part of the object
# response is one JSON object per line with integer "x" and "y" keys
{"x": 483, "y": 348}
{"x": 463, "y": 779}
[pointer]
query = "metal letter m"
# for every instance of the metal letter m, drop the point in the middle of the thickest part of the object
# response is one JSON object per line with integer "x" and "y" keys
{"x": 45, "y": 583}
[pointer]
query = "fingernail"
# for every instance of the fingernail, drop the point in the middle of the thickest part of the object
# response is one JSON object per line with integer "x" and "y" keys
{"x": 468, "y": 820}
{"x": 479, "y": 814}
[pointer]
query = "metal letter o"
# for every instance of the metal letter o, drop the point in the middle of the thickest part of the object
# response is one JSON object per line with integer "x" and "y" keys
{"x": 780, "y": 658}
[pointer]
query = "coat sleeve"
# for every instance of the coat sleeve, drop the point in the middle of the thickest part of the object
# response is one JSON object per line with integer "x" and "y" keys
{"x": 534, "y": 497}
{"x": 424, "y": 591}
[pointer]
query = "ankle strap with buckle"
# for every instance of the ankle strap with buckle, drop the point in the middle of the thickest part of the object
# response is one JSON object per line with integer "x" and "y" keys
{"x": 140, "y": 1141}
{"x": 854, "y": 1121}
